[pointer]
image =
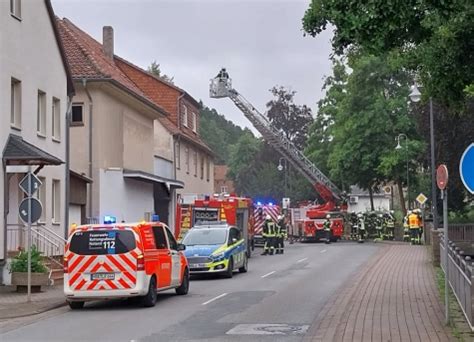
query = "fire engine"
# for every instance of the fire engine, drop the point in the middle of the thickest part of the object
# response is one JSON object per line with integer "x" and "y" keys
{"x": 330, "y": 195}
{"x": 233, "y": 210}
{"x": 261, "y": 210}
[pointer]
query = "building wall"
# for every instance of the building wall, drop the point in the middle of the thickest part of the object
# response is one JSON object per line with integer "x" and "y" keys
{"x": 29, "y": 53}
{"x": 163, "y": 142}
{"x": 363, "y": 204}
{"x": 126, "y": 199}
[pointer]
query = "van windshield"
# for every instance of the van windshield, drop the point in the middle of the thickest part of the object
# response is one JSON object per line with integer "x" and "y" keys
{"x": 101, "y": 242}
{"x": 204, "y": 236}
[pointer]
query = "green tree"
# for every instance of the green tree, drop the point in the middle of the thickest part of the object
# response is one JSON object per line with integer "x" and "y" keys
{"x": 155, "y": 69}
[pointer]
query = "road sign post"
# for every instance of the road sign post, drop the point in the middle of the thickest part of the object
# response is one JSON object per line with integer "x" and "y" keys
{"x": 442, "y": 181}
{"x": 29, "y": 234}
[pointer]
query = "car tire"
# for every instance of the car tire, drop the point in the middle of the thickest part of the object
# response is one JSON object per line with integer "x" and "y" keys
{"x": 230, "y": 269}
{"x": 244, "y": 267}
{"x": 183, "y": 289}
{"x": 149, "y": 300}
{"x": 76, "y": 305}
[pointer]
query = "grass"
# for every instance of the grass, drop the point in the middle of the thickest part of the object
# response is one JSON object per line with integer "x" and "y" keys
{"x": 459, "y": 327}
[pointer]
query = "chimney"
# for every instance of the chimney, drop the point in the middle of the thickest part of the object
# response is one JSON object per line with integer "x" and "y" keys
{"x": 108, "y": 41}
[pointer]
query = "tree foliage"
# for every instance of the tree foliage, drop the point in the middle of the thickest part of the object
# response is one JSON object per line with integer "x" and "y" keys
{"x": 155, "y": 69}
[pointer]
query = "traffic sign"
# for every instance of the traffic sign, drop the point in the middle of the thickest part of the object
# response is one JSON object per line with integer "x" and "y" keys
{"x": 442, "y": 176}
{"x": 25, "y": 184}
{"x": 36, "y": 209}
{"x": 421, "y": 198}
{"x": 466, "y": 168}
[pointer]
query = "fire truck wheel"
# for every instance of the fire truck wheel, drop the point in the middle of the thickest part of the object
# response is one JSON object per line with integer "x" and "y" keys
{"x": 244, "y": 267}
{"x": 184, "y": 287}
{"x": 149, "y": 300}
{"x": 75, "y": 305}
{"x": 230, "y": 269}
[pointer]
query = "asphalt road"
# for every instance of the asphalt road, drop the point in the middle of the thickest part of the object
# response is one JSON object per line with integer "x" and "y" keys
{"x": 276, "y": 300}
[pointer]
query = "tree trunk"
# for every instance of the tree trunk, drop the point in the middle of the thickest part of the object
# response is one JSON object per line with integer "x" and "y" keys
{"x": 371, "y": 195}
{"x": 402, "y": 197}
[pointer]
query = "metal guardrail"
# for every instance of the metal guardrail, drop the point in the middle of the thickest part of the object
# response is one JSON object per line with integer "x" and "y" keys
{"x": 460, "y": 277}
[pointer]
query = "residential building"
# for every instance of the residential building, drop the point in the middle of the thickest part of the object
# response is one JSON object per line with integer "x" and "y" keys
{"x": 35, "y": 89}
{"x": 113, "y": 134}
{"x": 359, "y": 200}
{"x": 222, "y": 183}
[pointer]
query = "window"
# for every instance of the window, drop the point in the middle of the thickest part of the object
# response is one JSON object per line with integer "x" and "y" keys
{"x": 202, "y": 167}
{"x": 41, "y": 196}
{"x": 208, "y": 168}
{"x": 194, "y": 123}
{"x": 15, "y": 8}
{"x": 186, "y": 156}
{"x": 177, "y": 154}
{"x": 160, "y": 239}
{"x": 102, "y": 242}
{"x": 56, "y": 201}
{"x": 195, "y": 161}
{"x": 185, "y": 116}
{"x": 41, "y": 113}
{"x": 234, "y": 234}
{"x": 56, "y": 119}
{"x": 171, "y": 240}
{"x": 15, "y": 114}
{"x": 223, "y": 189}
{"x": 77, "y": 118}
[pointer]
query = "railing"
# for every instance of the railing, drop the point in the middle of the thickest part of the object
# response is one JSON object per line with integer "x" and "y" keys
{"x": 461, "y": 232}
{"x": 460, "y": 275}
{"x": 48, "y": 242}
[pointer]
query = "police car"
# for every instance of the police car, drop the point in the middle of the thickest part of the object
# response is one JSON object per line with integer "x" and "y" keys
{"x": 215, "y": 247}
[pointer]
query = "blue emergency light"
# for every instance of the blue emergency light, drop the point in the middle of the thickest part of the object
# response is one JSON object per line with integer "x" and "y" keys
{"x": 270, "y": 203}
{"x": 155, "y": 218}
{"x": 259, "y": 203}
{"x": 109, "y": 219}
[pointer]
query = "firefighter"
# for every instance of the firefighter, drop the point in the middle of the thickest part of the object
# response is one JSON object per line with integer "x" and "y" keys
{"x": 282, "y": 234}
{"x": 327, "y": 229}
{"x": 389, "y": 226}
{"x": 419, "y": 224}
{"x": 406, "y": 228}
{"x": 268, "y": 233}
{"x": 378, "y": 222}
{"x": 360, "y": 227}
{"x": 414, "y": 226}
{"x": 354, "y": 225}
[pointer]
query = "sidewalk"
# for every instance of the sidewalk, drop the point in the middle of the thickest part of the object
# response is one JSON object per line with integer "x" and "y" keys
{"x": 392, "y": 298}
{"x": 13, "y": 304}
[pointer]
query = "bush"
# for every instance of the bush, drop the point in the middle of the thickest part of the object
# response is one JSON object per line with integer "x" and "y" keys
{"x": 20, "y": 262}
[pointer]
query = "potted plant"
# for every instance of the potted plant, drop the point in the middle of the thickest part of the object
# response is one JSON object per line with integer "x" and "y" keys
{"x": 19, "y": 271}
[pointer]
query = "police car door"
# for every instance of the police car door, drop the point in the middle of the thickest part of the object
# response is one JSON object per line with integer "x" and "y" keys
{"x": 175, "y": 259}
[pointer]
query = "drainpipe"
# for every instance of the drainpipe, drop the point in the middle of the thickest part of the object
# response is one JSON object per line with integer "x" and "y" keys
{"x": 67, "y": 167}
{"x": 84, "y": 83}
{"x": 5, "y": 215}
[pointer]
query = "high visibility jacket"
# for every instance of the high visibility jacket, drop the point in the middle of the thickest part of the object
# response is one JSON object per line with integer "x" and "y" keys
{"x": 405, "y": 222}
{"x": 281, "y": 227}
{"x": 390, "y": 223}
{"x": 269, "y": 229}
{"x": 413, "y": 221}
{"x": 327, "y": 225}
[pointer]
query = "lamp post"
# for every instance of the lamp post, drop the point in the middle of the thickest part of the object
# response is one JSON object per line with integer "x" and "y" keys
{"x": 399, "y": 147}
{"x": 284, "y": 168}
{"x": 415, "y": 96}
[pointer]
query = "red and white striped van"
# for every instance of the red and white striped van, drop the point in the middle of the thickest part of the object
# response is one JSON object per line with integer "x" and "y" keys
{"x": 123, "y": 260}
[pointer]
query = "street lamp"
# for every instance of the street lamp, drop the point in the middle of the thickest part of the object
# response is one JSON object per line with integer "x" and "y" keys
{"x": 280, "y": 168}
{"x": 399, "y": 147}
{"x": 415, "y": 96}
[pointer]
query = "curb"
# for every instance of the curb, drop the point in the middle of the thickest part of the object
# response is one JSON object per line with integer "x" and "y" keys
{"x": 36, "y": 312}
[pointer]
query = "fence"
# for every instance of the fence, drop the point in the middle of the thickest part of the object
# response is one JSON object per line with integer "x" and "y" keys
{"x": 460, "y": 274}
{"x": 461, "y": 232}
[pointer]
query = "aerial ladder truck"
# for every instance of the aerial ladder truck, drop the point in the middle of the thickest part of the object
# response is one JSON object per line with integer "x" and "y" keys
{"x": 221, "y": 87}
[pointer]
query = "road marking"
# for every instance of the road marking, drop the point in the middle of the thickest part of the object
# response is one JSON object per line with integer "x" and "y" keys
{"x": 268, "y": 274}
{"x": 301, "y": 260}
{"x": 324, "y": 251}
{"x": 215, "y": 298}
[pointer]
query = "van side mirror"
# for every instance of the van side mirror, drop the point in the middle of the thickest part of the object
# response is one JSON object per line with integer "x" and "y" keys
{"x": 181, "y": 247}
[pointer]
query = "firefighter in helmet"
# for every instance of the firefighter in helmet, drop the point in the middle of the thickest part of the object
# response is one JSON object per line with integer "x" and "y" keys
{"x": 327, "y": 229}
{"x": 269, "y": 234}
{"x": 360, "y": 227}
{"x": 282, "y": 234}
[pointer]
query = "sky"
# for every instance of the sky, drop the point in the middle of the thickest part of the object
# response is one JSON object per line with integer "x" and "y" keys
{"x": 260, "y": 42}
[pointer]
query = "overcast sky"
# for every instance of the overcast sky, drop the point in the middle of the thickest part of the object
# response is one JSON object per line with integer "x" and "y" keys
{"x": 260, "y": 42}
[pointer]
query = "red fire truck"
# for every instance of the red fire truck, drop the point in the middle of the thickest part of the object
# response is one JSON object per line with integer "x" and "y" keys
{"x": 236, "y": 211}
{"x": 261, "y": 210}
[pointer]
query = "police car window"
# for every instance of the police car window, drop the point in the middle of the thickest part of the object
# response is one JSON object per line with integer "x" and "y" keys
{"x": 233, "y": 234}
{"x": 160, "y": 239}
{"x": 204, "y": 236}
{"x": 101, "y": 242}
{"x": 172, "y": 241}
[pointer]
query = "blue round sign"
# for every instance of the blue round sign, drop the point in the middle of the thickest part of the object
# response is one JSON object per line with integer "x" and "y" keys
{"x": 466, "y": 168}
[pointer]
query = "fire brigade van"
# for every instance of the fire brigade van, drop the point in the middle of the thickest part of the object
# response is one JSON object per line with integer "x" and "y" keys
{"x": 123, "y": 260}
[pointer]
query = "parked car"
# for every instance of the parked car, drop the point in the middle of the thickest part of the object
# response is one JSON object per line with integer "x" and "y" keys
{"x": 123, "y": 260}
{"x": 215, "y": 248}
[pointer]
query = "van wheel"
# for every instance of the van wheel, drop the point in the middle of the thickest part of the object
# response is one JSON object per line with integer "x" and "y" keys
{"x": 183, "y": 289}
{"x": 149, "y": 300}
{"x": 244, "y": 267}
{"x": 76, "y": 305}
{"x": 230, "y": 269}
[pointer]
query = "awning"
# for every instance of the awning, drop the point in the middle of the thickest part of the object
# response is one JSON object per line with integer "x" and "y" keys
{"x": 81, "y": 177}
{"x": 19, "y": 152}
{"x": 150, "y": 178}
